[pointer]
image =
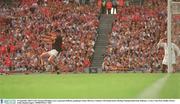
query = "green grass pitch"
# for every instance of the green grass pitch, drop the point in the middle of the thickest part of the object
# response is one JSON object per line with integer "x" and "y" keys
{"x": 90, "y": 86}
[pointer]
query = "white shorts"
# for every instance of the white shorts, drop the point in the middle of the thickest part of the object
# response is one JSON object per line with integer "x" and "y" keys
{"x": 165, "y": 60}
{"x": 53, "y": 52}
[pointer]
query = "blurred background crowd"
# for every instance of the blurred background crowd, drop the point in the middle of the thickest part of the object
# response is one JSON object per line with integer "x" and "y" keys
{"x": 24, "y": 23}
{"x": 135, "y": 34}
{"x": 138, "y": 26}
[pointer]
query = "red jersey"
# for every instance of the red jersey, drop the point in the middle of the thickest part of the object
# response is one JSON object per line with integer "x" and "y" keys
{"x": 12, "y": 48}
{"x": 87, "y": 63}
{"x": 3, "y": 49}
{"x": 121, "y": 2}
{"x": 109, "y": 5}
{"x": 8, "y": 62}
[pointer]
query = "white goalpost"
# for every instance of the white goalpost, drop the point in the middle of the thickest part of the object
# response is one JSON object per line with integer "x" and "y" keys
{"x": 169, "y": 16}
{"x": 173, "y": 8}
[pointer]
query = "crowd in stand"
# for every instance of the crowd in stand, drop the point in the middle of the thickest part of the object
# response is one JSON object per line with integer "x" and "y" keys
{"x": 134, "y": 37}
{"x": 25, "y": 23}
{"x": 132, "y": 43}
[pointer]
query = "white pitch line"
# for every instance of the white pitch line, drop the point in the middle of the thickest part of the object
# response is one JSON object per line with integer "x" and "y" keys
{"x": 153, "y": 90}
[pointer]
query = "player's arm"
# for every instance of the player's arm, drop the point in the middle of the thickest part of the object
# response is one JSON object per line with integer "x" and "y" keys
{"x": 176, "y": 48}
{"x": 161, "y": 43}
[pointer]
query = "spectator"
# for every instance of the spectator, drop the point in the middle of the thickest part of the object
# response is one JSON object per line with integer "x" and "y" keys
{"x": 114, "y": 7}
{"x": 135, "y": 34}
{"x": 108, "y": 6}
{"x": 28, "y": 25}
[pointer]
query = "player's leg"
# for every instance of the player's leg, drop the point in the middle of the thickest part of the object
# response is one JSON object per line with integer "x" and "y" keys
{"x": 44, "y": 54}
{"x": 174, "y": 68}
{"x": 152, "y": 70}
{"x": 42, "y": 60}
{"x": 53, "y": 54}
{"x": 164, "y": 68}
{"x": 51, "y": 60}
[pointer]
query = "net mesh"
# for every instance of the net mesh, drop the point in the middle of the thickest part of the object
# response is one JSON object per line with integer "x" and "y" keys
{"x": 176, "y": 7}
{"x": 176, "y": 27}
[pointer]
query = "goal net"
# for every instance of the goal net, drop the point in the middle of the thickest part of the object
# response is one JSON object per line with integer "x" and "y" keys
{"x": 175, "y": 27}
